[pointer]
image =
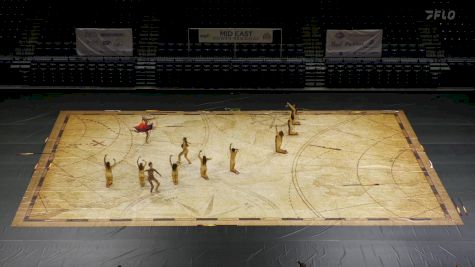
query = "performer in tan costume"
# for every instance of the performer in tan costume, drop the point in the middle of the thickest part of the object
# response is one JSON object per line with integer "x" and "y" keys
{"x": 293, "y": 114}
{"x": 174, "y": 171}
{"x": 232, "y": 162}
{"x": 290, "y": 126}
{"x": 279, "y": 136}
{"x": 109, "y": 167}
{"x": 203, "y": 167}
{"x": 184, "y": 152}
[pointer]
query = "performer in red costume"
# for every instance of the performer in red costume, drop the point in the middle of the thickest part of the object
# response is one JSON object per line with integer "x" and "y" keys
{"x": 145, "y": 127}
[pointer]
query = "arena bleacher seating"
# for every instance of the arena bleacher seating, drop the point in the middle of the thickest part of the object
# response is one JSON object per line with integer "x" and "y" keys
{"x": 38, "y": 45}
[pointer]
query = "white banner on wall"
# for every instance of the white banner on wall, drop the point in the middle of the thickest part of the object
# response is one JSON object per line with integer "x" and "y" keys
{"x": 235, "y": 35}
{"x": 354, "y": 43}
{"x": 104, "y": 42}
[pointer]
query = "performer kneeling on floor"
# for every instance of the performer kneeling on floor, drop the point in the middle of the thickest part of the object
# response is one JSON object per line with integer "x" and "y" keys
{"x": 232, "y": 163}
{"x": 203, "y": 168}
{"x": 174, "y": 171}
{"x": 291, "y": 127}
{"x": 279, "y": 136}
{"x": 293, "y": 113}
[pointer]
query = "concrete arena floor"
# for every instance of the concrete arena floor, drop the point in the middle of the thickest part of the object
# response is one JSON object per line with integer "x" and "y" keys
{"x": 445, "y": 125}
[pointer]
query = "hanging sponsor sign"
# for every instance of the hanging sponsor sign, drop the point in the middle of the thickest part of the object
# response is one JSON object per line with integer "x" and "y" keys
{"x": 104, "y": 42}
{"x": 235, "y": 35}
{"x": 354, "y": 43}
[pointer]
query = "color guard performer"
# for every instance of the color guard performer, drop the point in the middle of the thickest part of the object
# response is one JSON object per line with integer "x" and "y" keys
{"x": 141, "y": 167}
{"x": 109, "y": 167}
{"x": 290, "y": 126}
{"x": 203, "y": 167}
{"x": 279, "y": 136}
{"x": 145, "y": 127}
{"x": 184, "y": 152}
{"x": 174, "y": 171}
{"x": 151, "y": 178}
{"x": 293, "y": 114}
{"x": 232, "y": 163}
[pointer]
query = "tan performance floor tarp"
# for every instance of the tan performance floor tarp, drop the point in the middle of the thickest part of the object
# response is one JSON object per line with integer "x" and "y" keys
{"x": 343, "y": 168}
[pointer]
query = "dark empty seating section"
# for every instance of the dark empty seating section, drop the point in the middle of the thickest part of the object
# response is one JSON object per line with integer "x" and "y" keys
{"x": 58, "y": 29}
{"x": 401, "y": 36}
{"x": 13, "y": 21}
{"x": 219, "y": 74}
{"x": 82, "y": 72}
{"x": 158, "y": 31}
{"x": 37, "y": 44}
{"x": 350, "y": 75}
{"x": 459, "y": 74}
{"x": 11, "y": 73}
{"x": 457, "y": 37}
{"x": 166, "y": 35}
{"x": 247, "y": 15}
{"x": 47, "y": 28}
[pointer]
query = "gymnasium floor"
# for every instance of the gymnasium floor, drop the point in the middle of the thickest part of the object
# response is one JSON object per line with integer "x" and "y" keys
{"x": 444, "y": 125}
